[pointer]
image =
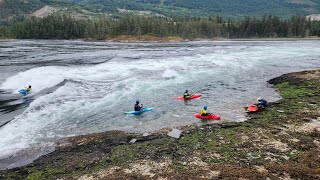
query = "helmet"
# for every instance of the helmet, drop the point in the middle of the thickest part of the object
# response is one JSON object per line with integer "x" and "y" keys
{"x": 259, "y": 99}
{"x": 186, "y": 90}
{"x": 205, "y": 107}
{"x": 137, "y": 101}
{"x": 29, "y": 86}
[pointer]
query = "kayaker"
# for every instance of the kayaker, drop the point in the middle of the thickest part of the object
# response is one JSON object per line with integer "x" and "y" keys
{"x": 137, "y": 107}
{"x": 186, "y": 94}
{"x": 262, "y": 103}
{"x": 29, "y": 88}
{"x": 204, "y": 112}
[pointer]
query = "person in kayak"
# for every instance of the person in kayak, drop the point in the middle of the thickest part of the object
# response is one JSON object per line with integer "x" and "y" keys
{"x": 137, "y": 107}
{"x": 262, "y": 103}
{"x": 29, "y": 88}
{"x": 204, "y": 111}
{"x": 186, "y": 94}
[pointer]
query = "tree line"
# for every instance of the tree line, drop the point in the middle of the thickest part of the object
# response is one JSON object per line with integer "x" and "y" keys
{"x": 68, "y": 27}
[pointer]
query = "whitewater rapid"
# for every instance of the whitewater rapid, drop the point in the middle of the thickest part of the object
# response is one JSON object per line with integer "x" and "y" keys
{"x": 85, "y": 87}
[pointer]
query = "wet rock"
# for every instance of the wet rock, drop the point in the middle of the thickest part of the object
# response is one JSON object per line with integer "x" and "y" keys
{"x": 146, "y": 134}
{"x": 175, "y": 133}
{"x": 133, "y": 141}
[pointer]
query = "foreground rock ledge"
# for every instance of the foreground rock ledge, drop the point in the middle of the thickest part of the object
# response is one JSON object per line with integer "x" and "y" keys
{"x": 282, "y": 142}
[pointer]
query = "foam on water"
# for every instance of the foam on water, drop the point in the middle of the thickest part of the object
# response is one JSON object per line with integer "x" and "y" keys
{"x": 94, "y": 97}
{"x": 169, "y": 74}
{"x": 40, "y": 78}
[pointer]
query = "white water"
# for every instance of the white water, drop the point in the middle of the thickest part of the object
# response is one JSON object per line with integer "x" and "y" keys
{"x": 111, "y": 77}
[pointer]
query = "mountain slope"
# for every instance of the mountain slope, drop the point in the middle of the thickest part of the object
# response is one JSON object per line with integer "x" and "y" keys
{"x": 251, "y": 7}
{"x": 15, "y": 9}
{"x": 230, "y": 8}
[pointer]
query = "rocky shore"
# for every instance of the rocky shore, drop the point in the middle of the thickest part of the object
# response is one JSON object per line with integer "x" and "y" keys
{"x": 281, "y": 142}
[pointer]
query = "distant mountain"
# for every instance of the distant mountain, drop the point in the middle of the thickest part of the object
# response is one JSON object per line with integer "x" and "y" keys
{"x": 230, "y": 8}
{"x": 18, "y": 9}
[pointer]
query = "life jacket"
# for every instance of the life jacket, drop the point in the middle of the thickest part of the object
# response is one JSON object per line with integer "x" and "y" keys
{"x": 263, "y": 102}
{"x": 29, "y": 89}
{"x": 204, "y": 112}
{"x": 137, "y": 107}
{"x": 186, "y": 94}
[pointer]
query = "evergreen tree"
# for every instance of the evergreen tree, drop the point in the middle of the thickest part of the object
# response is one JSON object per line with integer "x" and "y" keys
{"x": 67, "y": 27}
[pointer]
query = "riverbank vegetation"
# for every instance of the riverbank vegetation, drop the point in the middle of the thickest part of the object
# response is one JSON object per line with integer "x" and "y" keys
{"x": 68, "y": 27}
{"x": 282, "y": 142}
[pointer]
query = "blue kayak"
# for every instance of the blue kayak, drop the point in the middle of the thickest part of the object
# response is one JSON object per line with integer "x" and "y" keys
{"x": 23, "y": 91}
{"x": 139, "y": 112}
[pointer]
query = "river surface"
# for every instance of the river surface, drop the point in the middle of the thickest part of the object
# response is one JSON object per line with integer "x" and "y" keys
{"x": 85, "y": 87}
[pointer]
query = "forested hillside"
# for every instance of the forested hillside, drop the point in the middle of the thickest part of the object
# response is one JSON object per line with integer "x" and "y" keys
{"x": 67, "y": 27}
{"x": 18, "y": 9}
{"x": 105, "y": 19}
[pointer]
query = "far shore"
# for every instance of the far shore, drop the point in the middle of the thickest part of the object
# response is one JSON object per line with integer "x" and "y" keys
{"x": 176, "y": 39}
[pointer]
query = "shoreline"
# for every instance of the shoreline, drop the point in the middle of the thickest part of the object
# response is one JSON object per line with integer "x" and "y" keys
{"x": 171, "y": 39}
{"x": 269, "y": 144}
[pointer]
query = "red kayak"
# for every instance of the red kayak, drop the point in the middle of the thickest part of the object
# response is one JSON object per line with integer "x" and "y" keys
{"x": 194, "y": 96}
{"x": 252, "y": 108}
{"x": 211, "y": 116}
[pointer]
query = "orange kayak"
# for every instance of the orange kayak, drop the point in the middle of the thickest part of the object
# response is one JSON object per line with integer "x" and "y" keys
{"x": 252, "y": 108}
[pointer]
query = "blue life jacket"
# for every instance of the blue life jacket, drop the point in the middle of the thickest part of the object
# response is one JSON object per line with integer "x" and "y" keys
{"x": 263, "y": 102}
